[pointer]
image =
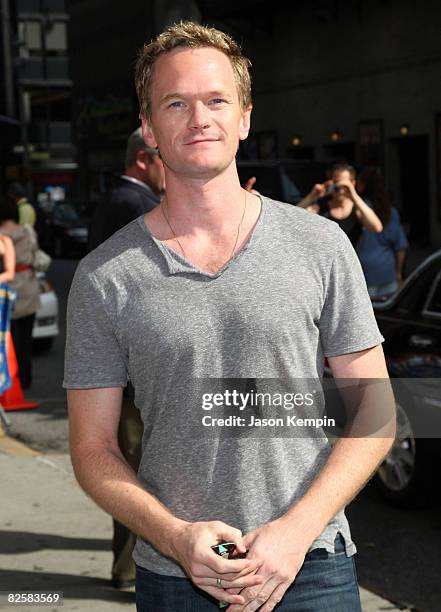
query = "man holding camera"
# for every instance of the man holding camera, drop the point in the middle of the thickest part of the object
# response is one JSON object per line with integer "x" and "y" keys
{"x": 345, "y": 206}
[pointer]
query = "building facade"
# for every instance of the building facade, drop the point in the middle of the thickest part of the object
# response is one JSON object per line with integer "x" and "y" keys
{"x": 359, "y": 82}
{"x": 37, "y": 97}
{"x": 105, "y": 37}
{"x": 333, "y": 80}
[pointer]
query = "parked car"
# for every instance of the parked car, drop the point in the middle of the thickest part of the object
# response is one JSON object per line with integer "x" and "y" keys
{"x": 63, "y": 228}
{"x": 410, "y": 321}
{"x": 46, "y": 321}
{"x": 287, "y": 180}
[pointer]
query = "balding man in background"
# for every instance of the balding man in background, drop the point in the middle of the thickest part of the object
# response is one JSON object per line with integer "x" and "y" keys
{"x": 138, "y": 192}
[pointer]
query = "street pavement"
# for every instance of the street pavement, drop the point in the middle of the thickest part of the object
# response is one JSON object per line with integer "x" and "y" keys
{"x": 54, "y": 538}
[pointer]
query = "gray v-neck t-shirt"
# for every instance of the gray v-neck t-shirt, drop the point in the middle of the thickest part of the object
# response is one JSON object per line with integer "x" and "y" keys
{"x": 292, "y": 296}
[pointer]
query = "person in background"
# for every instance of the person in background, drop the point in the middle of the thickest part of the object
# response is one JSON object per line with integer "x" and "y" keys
{"x": 7, "y": 272}
{"x": 138, "y": 192}
{"x": 25, "y": 285}
{"x": 26, "y": 212}
{"x": 345, "y": 206}
{"x": 382, "y": 254}
{"x": 7, "y": 259}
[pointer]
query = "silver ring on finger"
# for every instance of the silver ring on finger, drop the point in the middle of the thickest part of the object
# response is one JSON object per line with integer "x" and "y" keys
{"x": 219, "y": 582}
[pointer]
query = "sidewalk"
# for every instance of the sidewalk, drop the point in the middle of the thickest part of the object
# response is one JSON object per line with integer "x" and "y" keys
{"x": 54, "y": 538}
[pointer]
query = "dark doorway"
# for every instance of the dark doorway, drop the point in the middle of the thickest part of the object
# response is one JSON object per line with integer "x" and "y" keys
{"x": 413, "y": 183}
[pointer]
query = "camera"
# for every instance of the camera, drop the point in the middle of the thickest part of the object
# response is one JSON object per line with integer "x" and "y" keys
{"x": 332, "y": 189}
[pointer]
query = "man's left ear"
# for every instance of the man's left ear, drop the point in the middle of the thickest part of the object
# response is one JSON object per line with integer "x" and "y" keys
{"x": 147, "y": 133}
{"x": 245, "y": 123}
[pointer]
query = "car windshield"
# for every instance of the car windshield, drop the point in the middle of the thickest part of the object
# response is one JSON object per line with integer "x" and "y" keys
{"x": 66, "y": 212}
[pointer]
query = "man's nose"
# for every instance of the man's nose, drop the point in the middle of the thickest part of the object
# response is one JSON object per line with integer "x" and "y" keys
{"x": 200, "y": 116}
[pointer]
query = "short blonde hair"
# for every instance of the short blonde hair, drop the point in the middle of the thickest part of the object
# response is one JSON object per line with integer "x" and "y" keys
{"x": 191, "y": 35}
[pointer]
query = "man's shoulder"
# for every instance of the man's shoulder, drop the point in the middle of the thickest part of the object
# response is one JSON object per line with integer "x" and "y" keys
{"x": 128, "y": 190}
{"x": 294, "y": 219}
{"x": 113, "y": 252}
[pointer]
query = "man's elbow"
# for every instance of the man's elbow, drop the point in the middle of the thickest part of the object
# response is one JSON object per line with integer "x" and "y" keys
{"x": 376, "y": 226}
{"x": 82, "y": 460}
{"x": 88, "y": 462}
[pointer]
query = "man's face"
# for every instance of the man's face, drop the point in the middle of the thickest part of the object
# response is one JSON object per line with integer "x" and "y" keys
{"x": 196, "y": 120}
{"x": 341, "y": 194}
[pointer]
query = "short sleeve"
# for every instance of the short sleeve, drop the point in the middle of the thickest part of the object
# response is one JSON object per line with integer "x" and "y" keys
{"x": 93, "y": 356}
{"x": 347, "y": 322}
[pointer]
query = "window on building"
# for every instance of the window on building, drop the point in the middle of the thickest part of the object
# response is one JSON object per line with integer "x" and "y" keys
{"x": 56, "y": 39}
{"x": 53, "y": 6}
{"x": 29, "y": 33}
{"x": 41, "y": 6}
{"x": 28, "y": 6}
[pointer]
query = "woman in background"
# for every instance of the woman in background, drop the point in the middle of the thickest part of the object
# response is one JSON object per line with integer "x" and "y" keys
{"x": 25, "y": 285}
{"x": 7, "y": 259}
{"x": 381, "y": 254}
{"x": 7, "y": 271}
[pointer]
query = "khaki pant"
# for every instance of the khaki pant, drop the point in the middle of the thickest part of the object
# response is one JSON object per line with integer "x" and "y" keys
{"x": 129, "y": 439}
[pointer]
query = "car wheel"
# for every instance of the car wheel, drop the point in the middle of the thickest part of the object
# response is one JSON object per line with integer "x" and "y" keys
{"x": 403, "y": 477}
{"x": 43, "y": 344}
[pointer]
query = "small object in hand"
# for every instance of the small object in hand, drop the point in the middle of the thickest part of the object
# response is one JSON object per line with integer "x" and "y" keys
{"x": 227, "y": 551}
{"x": 333, "y": 188}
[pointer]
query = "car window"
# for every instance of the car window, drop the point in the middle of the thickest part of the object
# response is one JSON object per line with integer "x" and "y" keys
{"x": 434, "y": 305}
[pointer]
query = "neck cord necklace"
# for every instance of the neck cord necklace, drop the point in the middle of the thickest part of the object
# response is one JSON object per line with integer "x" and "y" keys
{"x": 171, "y": 229}
{"x": 239, "y": 227}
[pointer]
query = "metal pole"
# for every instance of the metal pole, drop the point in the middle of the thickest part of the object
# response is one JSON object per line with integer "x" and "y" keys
{"x": 25, "y": 141}
{"x": 7, "y": 59}
{"x": 44, "y": 28}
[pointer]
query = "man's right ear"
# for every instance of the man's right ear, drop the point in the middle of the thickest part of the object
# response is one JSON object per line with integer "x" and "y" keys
{"x": 147, "y": 133}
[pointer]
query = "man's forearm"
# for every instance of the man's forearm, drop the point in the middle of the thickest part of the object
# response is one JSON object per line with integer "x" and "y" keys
{"x": 369, "y": 218}
{"x": 350, "y": 465}
{"x": 307, "y": 200}
{"x": 106, "y": 476}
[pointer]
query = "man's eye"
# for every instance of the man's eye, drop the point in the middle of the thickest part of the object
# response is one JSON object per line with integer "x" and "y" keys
{"x": 217, "y": 101}
{"x": 177, "y": 104}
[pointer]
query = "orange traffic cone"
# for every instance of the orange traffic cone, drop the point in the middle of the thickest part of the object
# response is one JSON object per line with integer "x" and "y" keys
{"x": 13, "y": 398}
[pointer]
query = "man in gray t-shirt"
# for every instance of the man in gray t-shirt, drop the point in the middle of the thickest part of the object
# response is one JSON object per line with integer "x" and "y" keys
{"x": 218, "y": 291}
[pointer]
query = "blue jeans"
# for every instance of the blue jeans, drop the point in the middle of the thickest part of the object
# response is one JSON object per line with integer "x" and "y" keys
{"x": 325, "y": 582}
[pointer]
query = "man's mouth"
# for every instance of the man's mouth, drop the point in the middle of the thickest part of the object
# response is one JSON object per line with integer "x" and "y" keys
{"x": 199, "y": 140}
